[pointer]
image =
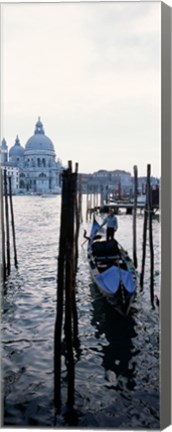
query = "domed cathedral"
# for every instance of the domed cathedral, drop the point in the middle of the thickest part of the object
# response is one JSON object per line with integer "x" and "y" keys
{"x": 16, "y": 153}
{"x": 39, "y": 172}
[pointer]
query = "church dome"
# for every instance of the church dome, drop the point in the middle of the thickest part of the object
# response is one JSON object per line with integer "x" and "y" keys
{"x": 17, "y": 150}
{"x": 39, "y": 141}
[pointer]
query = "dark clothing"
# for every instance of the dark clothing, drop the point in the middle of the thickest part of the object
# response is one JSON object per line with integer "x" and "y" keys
{"x": 110, "y": 233}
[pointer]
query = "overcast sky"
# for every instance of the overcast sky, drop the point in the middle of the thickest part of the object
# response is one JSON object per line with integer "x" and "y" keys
{"x": 91, "y": 71}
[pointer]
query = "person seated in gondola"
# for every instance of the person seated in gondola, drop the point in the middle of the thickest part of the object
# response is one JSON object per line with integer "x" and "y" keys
{"x": 111, "y": 222}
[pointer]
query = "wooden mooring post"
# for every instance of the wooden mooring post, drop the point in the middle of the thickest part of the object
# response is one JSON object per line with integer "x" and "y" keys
{"x": 134, "y": 218}
{"x": 148, "y": 213}
{"x": 7, "y": 224}
{"x": 3, "y": 270}
{"x": 101, "y": 195}
{"x": 12, "y": 223}
{"x": 60, "y": 295}
{"x": 79, "y": 199}
{"x": 66, "y": 288}
{"x": 89, "y": 201}
{"x": 6, "y": 200}
{"x": 69, "y": 276}
{"x": 77, "y": 213}
{"x": 144, "y": 244}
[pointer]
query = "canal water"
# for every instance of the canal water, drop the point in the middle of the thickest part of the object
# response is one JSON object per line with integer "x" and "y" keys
{"x": 118, "y": 360}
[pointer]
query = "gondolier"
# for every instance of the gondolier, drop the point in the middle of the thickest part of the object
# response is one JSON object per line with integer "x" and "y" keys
{"x": 112, "y": 225}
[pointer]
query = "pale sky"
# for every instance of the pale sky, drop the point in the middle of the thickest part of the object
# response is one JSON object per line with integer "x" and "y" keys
{"x": 91, "y": 71}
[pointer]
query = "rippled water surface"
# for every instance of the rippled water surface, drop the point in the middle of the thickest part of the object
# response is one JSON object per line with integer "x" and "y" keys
{"x": 117, "y": 364}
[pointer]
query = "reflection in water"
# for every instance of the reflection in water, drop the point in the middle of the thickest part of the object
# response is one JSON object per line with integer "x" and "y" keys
{"x": 119, "y": 332}
{"x": 116, "y": 361}
{"x": 69, "y": 413}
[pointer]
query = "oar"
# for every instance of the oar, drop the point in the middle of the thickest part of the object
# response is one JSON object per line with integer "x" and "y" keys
{"x": 82, "y": 244}
{"x": 96, "y": 237}
{"x": 86, "y": 238}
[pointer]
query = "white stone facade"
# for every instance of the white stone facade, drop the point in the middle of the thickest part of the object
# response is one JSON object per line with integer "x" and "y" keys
{"x": 39, "y": 172}
{"x": 13, "y": 172}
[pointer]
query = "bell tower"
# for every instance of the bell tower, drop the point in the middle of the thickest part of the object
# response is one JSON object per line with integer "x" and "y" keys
{"x": 4, "y": 151}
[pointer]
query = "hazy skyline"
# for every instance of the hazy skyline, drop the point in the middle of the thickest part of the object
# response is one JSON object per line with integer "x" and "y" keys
{"x": 91, "y": 71}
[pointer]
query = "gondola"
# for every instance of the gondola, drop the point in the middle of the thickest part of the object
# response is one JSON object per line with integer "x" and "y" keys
{"x": 112, "y": 271}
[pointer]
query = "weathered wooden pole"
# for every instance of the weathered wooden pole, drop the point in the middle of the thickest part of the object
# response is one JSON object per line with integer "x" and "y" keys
{"x": 151, "y": 240}
{"x": 80, "y": 198}
{"x": 3, "y": 233}
{"x": 98, "y": 195}
{"x": 91, "y": 199}
{"x": 69, "y": 286}
{"x": 107, "y": 194}
{"x": 12, "y": 223}
{"x": 66, "y": 283}
{"x": 87, "y": 204}
{"x": 144, "y": 234}
{"x": 102, "y": 195}
{"x": 7, "y": 224}
{"x": 119, "y": 189}
{"x": 94, "y": 196}
{"x": 134, "y": 218}
{"x": 77, "y": 216}
{"x": 60, "y": 293}
{"x": 144, "y": 247}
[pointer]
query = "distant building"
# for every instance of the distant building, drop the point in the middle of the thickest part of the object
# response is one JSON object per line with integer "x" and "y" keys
{"x": 12, "y": 171}
{"x": 4, "y": 151}
{"x": 115, "y": 181}
{"x": 38, "y": 170}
